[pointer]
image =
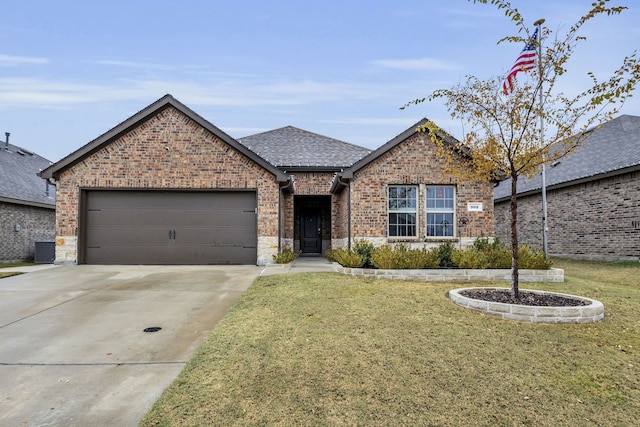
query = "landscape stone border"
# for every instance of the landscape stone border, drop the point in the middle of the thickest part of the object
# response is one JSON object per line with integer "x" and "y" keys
{"x": 456, "y": 274}
{"x": 590, "y": 313}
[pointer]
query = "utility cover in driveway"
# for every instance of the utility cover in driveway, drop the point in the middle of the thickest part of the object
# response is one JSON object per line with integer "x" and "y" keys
{"x": 174, "y": 227}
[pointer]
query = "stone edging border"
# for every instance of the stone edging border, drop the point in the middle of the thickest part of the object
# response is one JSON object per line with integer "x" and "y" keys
{"x": 593, "y": 312}
{"x": 456, "y": 274}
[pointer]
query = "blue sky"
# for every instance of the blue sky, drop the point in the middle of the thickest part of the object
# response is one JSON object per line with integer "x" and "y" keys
{"x": 71, "y": 70}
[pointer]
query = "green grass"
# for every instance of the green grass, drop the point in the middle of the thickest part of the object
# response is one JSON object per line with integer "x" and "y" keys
{"x": 12, "y": 273}
{"x": 326, "y": 349}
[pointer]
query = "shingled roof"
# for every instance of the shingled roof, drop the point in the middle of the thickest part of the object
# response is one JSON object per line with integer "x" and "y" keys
{"x": 290, "y": 147}
{"x": 610, "y": 150}
{"x": 19, "y": 180}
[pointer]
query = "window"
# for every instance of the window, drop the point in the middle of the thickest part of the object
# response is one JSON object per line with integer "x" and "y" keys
{"x": 440, "y": 211}
{"x": 402, "y": 211}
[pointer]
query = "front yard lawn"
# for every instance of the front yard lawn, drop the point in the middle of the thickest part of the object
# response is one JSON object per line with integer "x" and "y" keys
{"x": 327, "y": 349}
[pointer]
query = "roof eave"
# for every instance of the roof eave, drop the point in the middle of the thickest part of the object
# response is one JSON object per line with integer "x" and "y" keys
{"x": 52, "y": 205}
{"x": 571, "y": 183}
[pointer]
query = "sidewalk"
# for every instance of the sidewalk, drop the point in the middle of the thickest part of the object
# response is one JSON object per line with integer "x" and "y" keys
{"x": 27, "y": 268}
{"x": 299, "y": 265}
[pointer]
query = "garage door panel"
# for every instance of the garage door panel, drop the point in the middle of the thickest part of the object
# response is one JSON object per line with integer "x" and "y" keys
{"x": 181, "y": 227}
{"x": 122, "y": 235}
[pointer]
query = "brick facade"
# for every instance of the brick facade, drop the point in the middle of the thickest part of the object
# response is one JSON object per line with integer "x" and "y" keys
{"x": 599, "y": 219}
{"x": 167, "y": 151}
{"x": 167, "y": 146}
{"x": 414, "y": 162}
{"x": 21, "y": 227}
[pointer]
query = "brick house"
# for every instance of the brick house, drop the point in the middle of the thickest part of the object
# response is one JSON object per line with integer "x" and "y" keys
{"x": 27, "y": 203}
{"x": 168, "y": 187}
{"x": 593, "y": 198}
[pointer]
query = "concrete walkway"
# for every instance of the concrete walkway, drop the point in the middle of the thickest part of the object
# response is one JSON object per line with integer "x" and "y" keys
{"x": 27, "y": 268}
{"x": 299, "y": 265}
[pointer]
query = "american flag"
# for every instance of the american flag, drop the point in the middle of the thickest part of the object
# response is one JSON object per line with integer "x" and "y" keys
{"x": 526, "y": 61}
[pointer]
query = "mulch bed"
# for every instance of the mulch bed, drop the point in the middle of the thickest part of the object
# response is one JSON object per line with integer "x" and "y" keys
{"x": 526, "y": 298}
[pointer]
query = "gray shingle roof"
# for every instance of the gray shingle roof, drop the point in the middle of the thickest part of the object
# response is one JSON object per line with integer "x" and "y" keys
{"x": 19, "y": 180}
{"x": 293, "y": 147}
{"x": 613, "y": 147}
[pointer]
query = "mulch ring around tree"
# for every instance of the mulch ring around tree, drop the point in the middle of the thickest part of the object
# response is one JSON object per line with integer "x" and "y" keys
{"x": 526, "y": 298}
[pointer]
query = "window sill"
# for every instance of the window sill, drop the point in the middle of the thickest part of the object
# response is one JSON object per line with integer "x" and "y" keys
{"x": 426, "y": 239}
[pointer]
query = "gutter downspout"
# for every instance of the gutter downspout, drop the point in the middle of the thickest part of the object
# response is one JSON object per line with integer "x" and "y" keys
{"x": 282, "y": 188}
{"x": 346, "y": 184}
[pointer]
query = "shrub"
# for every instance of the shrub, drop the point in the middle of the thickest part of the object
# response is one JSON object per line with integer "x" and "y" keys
{"x": 364, "y": 248}
{"x": 345, "y": 257}
{"x": 533, "y": 259}
{"x": 444, "y": 253}
{"x": 331, "y": 255}
{"x": 419, "y": 258}
{"x": 470, "y": 258}
{"x": 383, "y": 257}
{"x": 286, "y": 255}
{"x": 401, "y": 257}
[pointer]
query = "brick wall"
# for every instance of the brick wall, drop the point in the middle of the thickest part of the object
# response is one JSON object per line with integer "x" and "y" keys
{"x": 168, "y": 151}
{"x": 598, "y": 219}
{"x": 414, "y": 162}
{"x": 34, "y": 224}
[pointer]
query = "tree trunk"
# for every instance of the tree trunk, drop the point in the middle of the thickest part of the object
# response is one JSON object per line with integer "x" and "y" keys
{"x": 515, "y": 292}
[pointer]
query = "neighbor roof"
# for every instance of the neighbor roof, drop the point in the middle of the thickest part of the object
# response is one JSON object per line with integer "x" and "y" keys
{"x": 143, "y": 115}
{"x": 19, "y": 180}
{"x": 290, "y": 147}
{"x": 612, "y": 149}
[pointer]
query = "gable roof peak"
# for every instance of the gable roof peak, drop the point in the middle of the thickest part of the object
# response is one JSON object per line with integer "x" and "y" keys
{"x": 290, "y": 146}
{"x": 140, "y": 117}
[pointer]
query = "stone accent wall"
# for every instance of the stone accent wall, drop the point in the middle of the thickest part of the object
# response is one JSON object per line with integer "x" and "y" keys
{"x": 414, "y": 162}
{"x": 33, "y": 224}
{"x": 599, "y": 219}
{"x": 168, "y": 151}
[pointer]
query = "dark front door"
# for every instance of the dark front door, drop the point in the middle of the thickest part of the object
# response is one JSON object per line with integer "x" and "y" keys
{"x": 311, "y": 232}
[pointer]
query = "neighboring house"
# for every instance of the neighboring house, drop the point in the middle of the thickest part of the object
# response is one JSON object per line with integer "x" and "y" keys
{"x": 27, "y": 203}
{"x": 168, "y": 187}
{"x": 593, "y": 198}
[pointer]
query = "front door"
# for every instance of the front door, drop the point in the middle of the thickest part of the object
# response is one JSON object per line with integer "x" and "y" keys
{"x": 311, "y": 232}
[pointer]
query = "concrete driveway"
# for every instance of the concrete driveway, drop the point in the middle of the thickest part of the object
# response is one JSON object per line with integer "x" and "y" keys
{"x": 73, "y": 351}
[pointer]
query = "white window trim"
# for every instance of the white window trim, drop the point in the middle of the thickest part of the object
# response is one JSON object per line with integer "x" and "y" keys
{"x": 453, "y": 210}
{"x": 415, "y": 211}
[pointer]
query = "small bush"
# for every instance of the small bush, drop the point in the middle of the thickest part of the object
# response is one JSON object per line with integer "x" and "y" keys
{"x": 331, "y": 255}
{"x": 470, "y": 258}
{"x": 402, "y": 257}
{"x": 345, "y": 257}
{"x": 533, "y": 259}
{"x": 286, "y": 255}
{"x": 383, "y": 257}
{"x": 444, "y": 253}
{"x": 364, "y": 248}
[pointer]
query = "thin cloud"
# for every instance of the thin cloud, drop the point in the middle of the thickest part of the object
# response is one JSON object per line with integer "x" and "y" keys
{"x": 12, "y": 60}
{"x": 415, "y": 64}
{"x": 132, "y": 64}
{"x": 43, "y": 93}
{"x": 372, "y": 121}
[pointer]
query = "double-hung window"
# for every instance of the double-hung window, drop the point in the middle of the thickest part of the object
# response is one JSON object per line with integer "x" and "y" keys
{"x": 440, "y": 210}
{"x": 403, "y": 206}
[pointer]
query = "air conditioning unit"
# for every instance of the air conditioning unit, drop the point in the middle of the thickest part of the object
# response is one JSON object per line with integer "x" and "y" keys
{"x": 45, "y": 252}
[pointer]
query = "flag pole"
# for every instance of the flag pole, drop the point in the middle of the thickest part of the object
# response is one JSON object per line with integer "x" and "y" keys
{"x": 545, "y": 228}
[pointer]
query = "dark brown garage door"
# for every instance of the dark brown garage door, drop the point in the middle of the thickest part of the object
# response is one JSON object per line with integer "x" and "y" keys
{"x": 157, "y": 227}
